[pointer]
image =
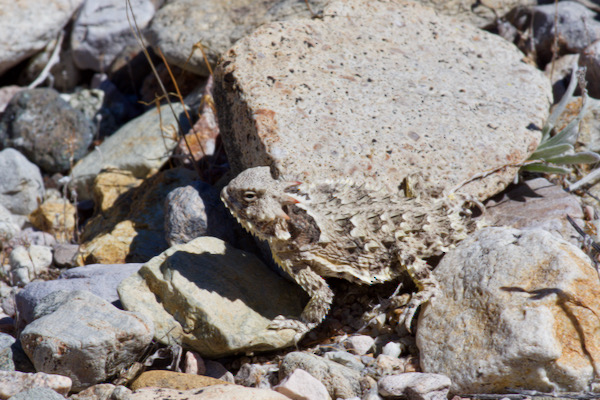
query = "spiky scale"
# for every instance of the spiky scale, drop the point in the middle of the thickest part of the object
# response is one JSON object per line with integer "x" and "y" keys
{"x": 358, "y": 232}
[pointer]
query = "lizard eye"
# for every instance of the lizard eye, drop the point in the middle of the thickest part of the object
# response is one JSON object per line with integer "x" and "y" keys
{"x": 250, "y": 196}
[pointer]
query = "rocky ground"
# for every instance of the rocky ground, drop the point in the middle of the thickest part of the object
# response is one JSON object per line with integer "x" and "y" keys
{"x": 123, "y": 276}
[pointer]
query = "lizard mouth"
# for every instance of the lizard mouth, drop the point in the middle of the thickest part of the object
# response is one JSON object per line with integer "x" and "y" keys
{"x": 268, "y": 229}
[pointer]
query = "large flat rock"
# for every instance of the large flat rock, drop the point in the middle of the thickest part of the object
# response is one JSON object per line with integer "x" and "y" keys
{"x": 212, "y": 298}
{"x": 378, "y": 91}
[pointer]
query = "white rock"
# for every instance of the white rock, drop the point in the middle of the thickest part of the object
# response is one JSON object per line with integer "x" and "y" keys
{"x": 300, "y": 385}
{"x": 361, "y": 344}
{"x": 513, "y": 309}
{"x": 14, "y": 382}
{"x": 415, "y": 386}
{"x": 392, "y": 349}
{"x": 101, "y": 31}
{"x": 21, "y": 191}
{"x": 8, "y": 226}
{"x": 29, "y": 262}
{"x": 27, "y": 25}
{"x": 194, "y": 364}
{"x": 398, "y": 91}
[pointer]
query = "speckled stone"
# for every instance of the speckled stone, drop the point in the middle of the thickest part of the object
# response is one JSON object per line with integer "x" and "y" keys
{"x": 516, "y": 309}
{"x": 218, "y": 24}
{"x": 378, "y": 91}
{"x": 46, "y": 129}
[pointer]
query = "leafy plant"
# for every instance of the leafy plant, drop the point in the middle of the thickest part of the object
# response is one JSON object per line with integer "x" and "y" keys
{"x": 557, "y": 150}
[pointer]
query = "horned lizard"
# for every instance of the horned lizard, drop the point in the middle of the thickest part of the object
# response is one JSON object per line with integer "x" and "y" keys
{"x": 352, "y": 231}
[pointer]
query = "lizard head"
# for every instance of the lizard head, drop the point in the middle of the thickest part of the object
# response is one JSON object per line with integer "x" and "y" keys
{"x": 259, "y": 201}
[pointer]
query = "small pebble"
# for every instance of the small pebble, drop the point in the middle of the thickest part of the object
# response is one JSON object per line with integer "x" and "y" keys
{"x": 300, "y": 385}
{"x": 361, "y": 344}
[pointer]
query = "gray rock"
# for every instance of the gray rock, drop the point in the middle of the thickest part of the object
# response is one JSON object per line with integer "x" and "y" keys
{"x": 415, "y": 386}
{"x": 329, "y": 99}
{"x": 40, "y": 393}
{"x": 302, "y": 385}
{"x": 88, "y": 101}
{"x": 212, "y": 298}
{"x": 101, "y": 280}
{"x": 8, "y": 226}
{"x": 218, "y": 24}
{"x": 31, "y": 237}
{"x": 46, "y": 129}
{"x": 28, "y": 263}
{"x": 28, "y": 25}
{"x": 509, "y": 298}
{"x": 340, "y": 381}
{"x": 196, "y": 210}
{"x": 590, "y": 59}
{"x": 537, "y": 203}
{"x": 102, "y": 30}
{"x": 65, "y": 254}
{"x": 14, "y": 382}
{"x": 12, "y": 356}
{"x": 138, "y": 146}
{"x": 21, "y": 191}
{"x": 96, "y": 340}
{"x": 345, "y": 358}
{"x": 576, "y": 25}
{"x": 6, "y": 352}
{"x": 215, "y": 369}
{"x": 6, "y": 93}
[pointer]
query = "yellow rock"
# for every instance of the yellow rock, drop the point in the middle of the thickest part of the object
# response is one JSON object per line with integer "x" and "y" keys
{"x": 174, "y": 380}
{"x": 55, "y": 216}
{"x": 129, "y": 222}
{"x": 112, "y": 183}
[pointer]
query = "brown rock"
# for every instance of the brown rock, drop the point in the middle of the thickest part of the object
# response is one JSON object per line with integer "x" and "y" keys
{"x": 516, "y": 309}
{"x": 537, "y": 204}
{"x": 174, "y": 380}
{"x": 216, "y": 392}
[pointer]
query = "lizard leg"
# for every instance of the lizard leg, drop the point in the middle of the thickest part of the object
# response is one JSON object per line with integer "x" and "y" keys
{"x": 318, "y": 306}
{"x": 428, "y": 286}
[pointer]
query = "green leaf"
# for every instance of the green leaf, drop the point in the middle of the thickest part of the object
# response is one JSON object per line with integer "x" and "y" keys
{"x": 567, "y": 135}
{"x": 544, "y": 153}
{"x": 585, "y": 157}
{"x": 562, "y": 104}
{"x": 539, "y": 167}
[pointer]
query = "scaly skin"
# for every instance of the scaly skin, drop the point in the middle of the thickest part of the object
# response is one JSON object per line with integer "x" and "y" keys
{"x": 356, "y": 232}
